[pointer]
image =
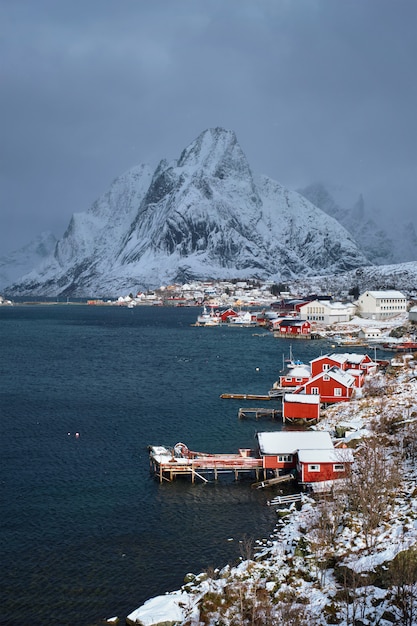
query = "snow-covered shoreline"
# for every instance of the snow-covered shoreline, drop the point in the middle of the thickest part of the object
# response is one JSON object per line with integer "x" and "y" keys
{"x": 299, "y": 569}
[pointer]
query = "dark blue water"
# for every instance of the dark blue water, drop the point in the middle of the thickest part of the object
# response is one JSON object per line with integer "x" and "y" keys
{"x": 86, "y": 531}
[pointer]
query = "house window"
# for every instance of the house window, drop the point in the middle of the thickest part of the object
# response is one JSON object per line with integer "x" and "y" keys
{"x": 326, "y": 366}
{"x": 325, "y": 377}
{"x": 337, "y": 391}
{"x": 314, "y": 468}
{"x": 298, "y": 380}
{"x": 338, "y": 467}
{"x": 284, "y": 458}
{"x": 315, "y": 391}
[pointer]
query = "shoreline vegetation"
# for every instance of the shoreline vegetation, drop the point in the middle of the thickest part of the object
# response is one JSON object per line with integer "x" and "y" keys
{"x": 347, "y": 557}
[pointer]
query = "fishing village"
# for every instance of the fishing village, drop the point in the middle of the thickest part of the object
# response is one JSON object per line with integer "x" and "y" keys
{"x": 340, "y": 471}
{"x": 303, "y": 390}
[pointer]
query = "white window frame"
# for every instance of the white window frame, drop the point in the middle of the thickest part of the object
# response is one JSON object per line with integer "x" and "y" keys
{"x": 315, "y": 391}
{"x": 339, "y": 467}
{"x": 285, "y": 458}
{"x": 313, "y": 467}
{"x": 337, "y": 391}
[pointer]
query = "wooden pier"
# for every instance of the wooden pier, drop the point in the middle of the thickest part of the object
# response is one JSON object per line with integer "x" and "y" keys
{"x": 272, "y": 413}
{"x": 168, "y": 463}
{"x": 245, "y": 396}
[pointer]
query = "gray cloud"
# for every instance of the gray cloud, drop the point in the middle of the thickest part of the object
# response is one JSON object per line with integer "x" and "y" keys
{"x": 315, "y": 90}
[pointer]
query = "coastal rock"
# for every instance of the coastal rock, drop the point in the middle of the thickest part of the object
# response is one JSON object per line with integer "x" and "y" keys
{"x": 168, "y": 610}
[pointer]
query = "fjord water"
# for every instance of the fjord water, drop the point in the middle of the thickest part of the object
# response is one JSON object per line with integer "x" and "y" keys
{"x": 86, "y": 531}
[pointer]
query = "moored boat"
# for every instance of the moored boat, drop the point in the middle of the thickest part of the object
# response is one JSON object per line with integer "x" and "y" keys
{"x": 208, "y": 318}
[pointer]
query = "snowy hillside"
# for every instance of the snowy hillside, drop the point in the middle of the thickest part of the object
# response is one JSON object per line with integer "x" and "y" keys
{"x": 202, "y": 216}
{"x": 402, "y": 276}
{"x": 343, "y": 557}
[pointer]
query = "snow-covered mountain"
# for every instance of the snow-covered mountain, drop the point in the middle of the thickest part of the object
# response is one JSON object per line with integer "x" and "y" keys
{"x": 23, "y": 260}
{"x": 382, "y": 241}
{"x": 203, "y": 216}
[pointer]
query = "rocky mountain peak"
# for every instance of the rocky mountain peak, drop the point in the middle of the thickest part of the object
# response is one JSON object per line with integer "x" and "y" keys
{"x": 201, "y": 216}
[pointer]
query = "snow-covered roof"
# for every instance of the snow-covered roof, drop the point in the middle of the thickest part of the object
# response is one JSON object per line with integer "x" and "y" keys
{"x": 302, "y": 398}
{"x": 337, "y": 357}
{"x": 329, "y": 455}
{"x": 355, "y": 372}
{"x": 391, "y": 293}
{"x": 354, "y": 357}
{"x": 288, "y": 442}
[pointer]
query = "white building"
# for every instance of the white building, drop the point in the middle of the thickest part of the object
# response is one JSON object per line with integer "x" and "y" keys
{"x": 370, "y": 333}
{"x": 380, "y": 305}
{"x": 327, "y": 312}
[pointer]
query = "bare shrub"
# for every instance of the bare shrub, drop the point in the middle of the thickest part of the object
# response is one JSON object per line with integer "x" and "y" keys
{"x": 410, "y": 442}
{"x": 374, "y": 386}
{"x": 372, "y": 484}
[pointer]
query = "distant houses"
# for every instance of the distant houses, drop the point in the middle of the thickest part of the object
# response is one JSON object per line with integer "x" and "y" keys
{"x": 291, "y": 328}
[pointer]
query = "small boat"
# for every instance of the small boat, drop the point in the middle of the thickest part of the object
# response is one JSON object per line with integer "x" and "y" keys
{"x": 291, "y": 362}
{"x": 402, "y": 346}
{"x": 208, "y": 318}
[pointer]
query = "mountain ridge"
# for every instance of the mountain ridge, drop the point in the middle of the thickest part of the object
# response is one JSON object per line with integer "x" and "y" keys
{"x": 202, "y": 216}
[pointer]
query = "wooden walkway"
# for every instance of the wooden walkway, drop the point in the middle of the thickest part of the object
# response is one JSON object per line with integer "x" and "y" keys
{"x": 272, "y": 413}
{"x": 167, "y": 466}
{"x": 295, "y": 497}
{"x": 270, "y": 482}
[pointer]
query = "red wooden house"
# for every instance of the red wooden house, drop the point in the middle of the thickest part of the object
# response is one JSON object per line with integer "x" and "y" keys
{"x": 300, "y": 407}
{"x": 279, "y": 449}
{"x": 292, "y": 327}
{"x": 326, "y": 361}
{"x": 295, "y": 376}
{"x": 345, "y": 361}
{"x": 314, "y": 465}
{"x": 362, "y": 362}
{"x": 226, "y": 315}
{"x": 332, "y": 385}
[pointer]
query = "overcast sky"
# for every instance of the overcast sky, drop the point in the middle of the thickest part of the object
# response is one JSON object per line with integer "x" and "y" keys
{"x": 314, "y": 89}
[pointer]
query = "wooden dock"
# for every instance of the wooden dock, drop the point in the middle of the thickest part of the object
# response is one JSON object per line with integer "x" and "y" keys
{"x": 168, "y": 463}
{"x": 245, "y": 396}
{"x": 271, "y": 413}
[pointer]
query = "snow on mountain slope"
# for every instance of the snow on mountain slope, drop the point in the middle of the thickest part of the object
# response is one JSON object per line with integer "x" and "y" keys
{"x": 383, "y": 239}
{"x": 201, "y": 216}
{"x": 21, "y": 261}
